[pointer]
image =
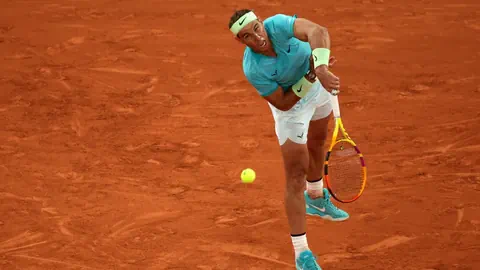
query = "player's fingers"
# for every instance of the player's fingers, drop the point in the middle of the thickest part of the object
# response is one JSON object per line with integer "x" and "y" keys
{"x": 334, "y": 85}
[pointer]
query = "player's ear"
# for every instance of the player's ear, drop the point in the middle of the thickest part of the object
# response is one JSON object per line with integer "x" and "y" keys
{"x": 238, "y": 39}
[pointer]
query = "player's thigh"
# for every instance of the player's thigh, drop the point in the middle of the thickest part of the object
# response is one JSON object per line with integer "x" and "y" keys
{"x": 292, "y": 134}
{"x": 318, "y": 127}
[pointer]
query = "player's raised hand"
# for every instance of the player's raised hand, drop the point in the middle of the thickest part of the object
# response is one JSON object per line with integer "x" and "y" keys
{"x": 327, "y": 78}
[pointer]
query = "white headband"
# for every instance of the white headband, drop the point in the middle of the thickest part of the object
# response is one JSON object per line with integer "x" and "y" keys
{"x": 242, "y": 21}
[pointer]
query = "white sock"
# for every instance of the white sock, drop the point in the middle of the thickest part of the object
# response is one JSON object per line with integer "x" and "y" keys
{"x": 315, "y": 188}
{"x": 300, "y": 243}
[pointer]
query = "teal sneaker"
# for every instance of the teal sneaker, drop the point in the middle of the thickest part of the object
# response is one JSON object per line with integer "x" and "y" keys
{"x": 324, "y": 208}
{"x": 307, "y": 261}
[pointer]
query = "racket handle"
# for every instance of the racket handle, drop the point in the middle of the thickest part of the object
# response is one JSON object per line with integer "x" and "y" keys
{"x": 335, "y": 106}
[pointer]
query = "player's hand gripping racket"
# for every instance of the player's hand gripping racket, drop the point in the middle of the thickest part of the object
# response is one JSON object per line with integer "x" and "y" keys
{"x": 345, "y": 172}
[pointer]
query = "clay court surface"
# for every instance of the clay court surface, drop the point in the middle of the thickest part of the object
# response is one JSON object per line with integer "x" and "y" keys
{"x": 125, "y": 125}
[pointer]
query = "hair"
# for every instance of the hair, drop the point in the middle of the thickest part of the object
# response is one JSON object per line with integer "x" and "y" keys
{"x": 236, "y": 15}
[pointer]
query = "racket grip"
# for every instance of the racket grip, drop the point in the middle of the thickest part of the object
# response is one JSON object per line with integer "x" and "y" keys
{"x": 335, "y": 106}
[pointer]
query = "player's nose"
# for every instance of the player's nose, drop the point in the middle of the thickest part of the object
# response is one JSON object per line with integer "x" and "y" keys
{"x": 259, "y": 37}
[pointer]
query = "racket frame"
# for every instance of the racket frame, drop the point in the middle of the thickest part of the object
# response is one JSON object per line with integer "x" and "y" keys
{"x": 339, "y": 128}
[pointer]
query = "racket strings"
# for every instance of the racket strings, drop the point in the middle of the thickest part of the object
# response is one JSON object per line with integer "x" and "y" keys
{"x": 345, "y": 171}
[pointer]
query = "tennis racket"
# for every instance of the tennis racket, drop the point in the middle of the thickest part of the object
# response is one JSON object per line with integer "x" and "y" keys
{"x": 345, "y": 172}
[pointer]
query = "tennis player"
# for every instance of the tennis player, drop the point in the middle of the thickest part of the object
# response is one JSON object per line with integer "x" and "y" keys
{"x": 287, "y": 61}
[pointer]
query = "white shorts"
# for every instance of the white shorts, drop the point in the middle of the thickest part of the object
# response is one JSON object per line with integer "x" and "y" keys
{"x": 293, "y": 124}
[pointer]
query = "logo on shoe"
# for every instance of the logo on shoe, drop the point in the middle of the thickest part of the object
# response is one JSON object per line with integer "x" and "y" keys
{"x": 319, "y": 209}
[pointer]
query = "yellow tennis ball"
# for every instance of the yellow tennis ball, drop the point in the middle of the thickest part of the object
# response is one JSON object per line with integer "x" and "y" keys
{"x": 248, "y": 175}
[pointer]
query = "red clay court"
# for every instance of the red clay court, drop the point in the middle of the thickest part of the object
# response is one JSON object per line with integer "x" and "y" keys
{"x": 126, "y": 124}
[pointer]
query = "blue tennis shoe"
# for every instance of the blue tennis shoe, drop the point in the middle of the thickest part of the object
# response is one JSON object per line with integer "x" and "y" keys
{"x": 307, "y": 261}
{"x": 324, "y": 208}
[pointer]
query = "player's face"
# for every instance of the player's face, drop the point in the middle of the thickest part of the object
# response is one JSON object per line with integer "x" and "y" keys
{"x": 254, "y": 36}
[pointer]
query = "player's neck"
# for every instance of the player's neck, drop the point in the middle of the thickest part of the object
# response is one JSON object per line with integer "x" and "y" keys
{"x": 270, "y": 52}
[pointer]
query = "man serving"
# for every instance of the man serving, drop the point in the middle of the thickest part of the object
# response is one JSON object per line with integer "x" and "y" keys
{"x": 287, "y": 61}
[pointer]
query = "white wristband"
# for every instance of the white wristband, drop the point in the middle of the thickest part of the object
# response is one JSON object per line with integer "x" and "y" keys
{"x": 302, "y": 87}
{"x": 321, "y": 56}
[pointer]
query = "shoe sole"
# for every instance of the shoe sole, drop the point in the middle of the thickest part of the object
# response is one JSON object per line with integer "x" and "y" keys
{"x": 327, "y": 217}
{"x": 298, "y": 268}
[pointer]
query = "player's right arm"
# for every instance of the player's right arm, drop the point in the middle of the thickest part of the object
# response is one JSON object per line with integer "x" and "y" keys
{"x": 275, "y": 95}
{"x": 281, "y": 100}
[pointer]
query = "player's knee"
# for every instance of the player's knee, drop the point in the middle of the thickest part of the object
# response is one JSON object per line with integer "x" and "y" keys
{"x": 296, "y": 178}
{"x": 296, "y": 162}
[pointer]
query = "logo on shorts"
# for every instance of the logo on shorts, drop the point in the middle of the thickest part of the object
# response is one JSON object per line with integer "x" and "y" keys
{"x": 301, "y": 135}
{"x": 275, "y": 73}
{"x": 288, "y": 51}
{"x": 299, "y": 89}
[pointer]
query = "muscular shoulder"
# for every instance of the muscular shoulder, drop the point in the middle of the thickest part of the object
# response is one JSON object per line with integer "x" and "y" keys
{"x": 280, "y": 26}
